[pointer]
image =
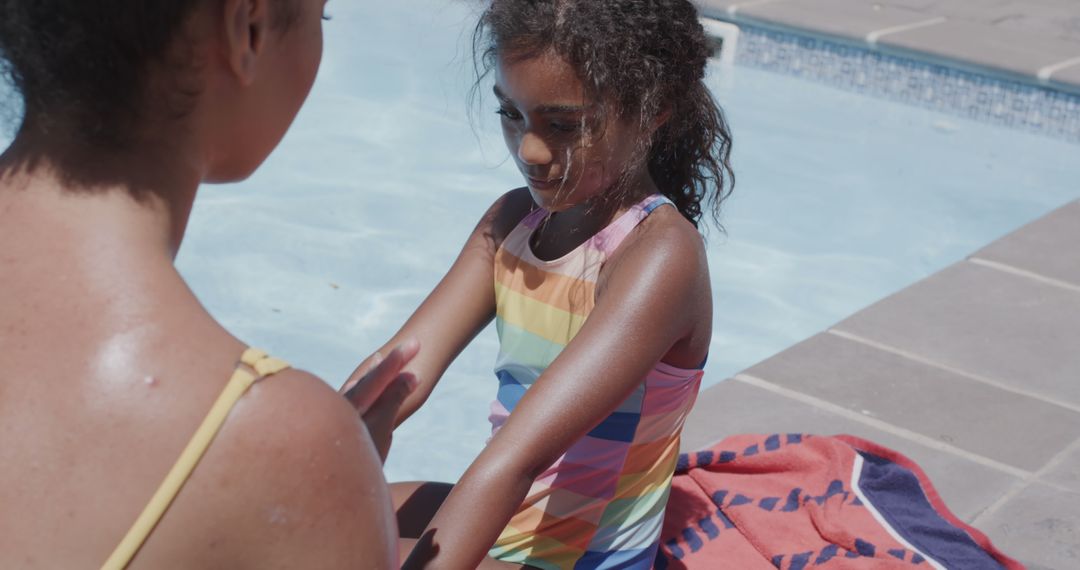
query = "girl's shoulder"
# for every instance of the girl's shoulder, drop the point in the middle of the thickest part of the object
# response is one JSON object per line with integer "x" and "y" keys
{"x": 664, "y": 235}
{"x": 506, "y": 213}
{"x": 662, "y": 265}
{"x": 664, "y": 243}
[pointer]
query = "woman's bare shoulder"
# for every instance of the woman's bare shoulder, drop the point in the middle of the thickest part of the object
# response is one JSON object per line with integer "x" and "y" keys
{"x": 292, "y": 480}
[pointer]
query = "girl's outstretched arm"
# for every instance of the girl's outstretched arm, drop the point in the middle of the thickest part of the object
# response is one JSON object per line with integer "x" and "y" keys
{"x": 654, "y": 296}
{"x": 459, "y": 307}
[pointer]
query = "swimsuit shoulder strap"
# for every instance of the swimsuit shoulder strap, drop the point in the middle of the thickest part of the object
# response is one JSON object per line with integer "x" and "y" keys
{"x": 242, "y": 378}
{"x": 609, "y": 239}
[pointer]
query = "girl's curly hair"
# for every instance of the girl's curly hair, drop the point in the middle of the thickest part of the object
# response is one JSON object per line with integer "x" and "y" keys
{"x": 643, "y": 58}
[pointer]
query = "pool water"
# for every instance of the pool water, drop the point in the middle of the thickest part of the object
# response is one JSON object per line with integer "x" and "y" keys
{"x": 840, "y": 200}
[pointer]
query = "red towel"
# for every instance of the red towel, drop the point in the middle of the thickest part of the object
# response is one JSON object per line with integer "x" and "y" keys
{"x": 793, "y": 501}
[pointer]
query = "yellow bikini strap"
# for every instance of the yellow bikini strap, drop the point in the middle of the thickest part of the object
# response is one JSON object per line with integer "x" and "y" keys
{"x": 263, "y": 365}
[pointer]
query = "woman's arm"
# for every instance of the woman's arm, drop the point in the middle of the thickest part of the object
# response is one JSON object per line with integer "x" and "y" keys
{"x": 459, "y": 307}
{"x": 655, "y": 294}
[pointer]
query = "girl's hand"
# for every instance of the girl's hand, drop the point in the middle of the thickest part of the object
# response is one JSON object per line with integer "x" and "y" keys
{"x": 377, "y": 389}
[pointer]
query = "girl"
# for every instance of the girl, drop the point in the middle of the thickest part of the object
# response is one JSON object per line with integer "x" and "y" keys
{"x": 108, "y": 363}
{"x": 596, "y": 275}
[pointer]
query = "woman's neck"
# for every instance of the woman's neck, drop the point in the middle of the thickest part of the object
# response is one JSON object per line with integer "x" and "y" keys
{"x": 142, "y": 194}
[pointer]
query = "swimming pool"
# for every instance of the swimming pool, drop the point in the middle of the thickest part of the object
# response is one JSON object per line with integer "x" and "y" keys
{"x": 841, "y": 199}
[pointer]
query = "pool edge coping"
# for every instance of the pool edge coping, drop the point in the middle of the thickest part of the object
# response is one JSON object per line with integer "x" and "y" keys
{"x": 1043, "y": 77}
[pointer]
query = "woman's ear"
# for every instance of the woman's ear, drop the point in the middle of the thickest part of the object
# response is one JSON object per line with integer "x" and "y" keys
{"x": 245, "y": 25}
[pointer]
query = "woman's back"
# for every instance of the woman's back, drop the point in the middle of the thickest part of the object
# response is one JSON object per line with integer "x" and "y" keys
{"x": 109, "y": 366}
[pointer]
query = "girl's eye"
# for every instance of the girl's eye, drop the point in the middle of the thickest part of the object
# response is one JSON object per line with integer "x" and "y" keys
{"x": 508, "y": 113}
{"x": 327, "y": 17}
{"x": 566, "y": 127}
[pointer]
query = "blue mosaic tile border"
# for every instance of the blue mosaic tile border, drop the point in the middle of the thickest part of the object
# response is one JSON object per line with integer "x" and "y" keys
{"x": 955, "y": 91}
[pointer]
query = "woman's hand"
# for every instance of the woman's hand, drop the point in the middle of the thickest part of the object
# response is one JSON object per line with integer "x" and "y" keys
{"x": 377, "y": 389}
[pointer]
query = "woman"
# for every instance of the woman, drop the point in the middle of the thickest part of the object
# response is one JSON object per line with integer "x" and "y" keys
{"x": 110, "y": 364}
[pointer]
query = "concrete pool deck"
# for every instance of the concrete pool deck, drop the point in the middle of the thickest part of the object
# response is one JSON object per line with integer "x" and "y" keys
{"x": 973, "y": 372}
{"x": 1035, "y": 41}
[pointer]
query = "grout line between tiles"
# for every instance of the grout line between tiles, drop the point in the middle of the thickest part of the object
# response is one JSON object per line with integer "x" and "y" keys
{"x": 1047, "y": 72}
{"x": 1054, "y": 462}
{"x": 1035, "y": 477}
{"x": 1009, "y": 495}
{"x": 873, "y": 37}
{"x": 882, "y": 425}
{"x": 1024, "y": 273}
{"x": 970, "y": 376}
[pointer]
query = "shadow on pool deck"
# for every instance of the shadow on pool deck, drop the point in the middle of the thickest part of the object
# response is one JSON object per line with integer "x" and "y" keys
{"x": 973, "y": 372}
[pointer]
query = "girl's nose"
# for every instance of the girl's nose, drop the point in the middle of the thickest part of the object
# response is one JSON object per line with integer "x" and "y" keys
{"x": 533, "y": 150}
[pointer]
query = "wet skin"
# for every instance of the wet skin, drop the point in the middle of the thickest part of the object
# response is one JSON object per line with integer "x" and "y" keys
{"x": 109, "y": 363}
{"x": 653, "y": 303}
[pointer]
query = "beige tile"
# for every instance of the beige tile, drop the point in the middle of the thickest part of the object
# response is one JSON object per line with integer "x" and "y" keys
{"x": 931, "y": 6}
{"x": 852, "y": 19}
{"x": 1049, "y": 246}
{"x": 1069, "y": 76}
{"x": 1014, "y": 51}
{"x": 943, "y": 406}
{"x": 733, "y": 407}
{"x": 1040, "y": 526}
{"x": 1066, "y": 472}
{"x": 997, "y": 325}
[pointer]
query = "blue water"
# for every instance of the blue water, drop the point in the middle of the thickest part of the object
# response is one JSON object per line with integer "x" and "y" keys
{"x": 841, "y": 200}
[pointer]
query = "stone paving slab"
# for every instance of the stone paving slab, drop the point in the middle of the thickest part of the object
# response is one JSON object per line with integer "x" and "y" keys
{"x": 996, "y": 325}
{"x": 973, "y": 372}
{"x": 1049, "y": 18}
{"x": 1068, "y": 76}
{"x": 1013, "y": 51}
{"x": 1066, "y": 473}
{"x": 1040, "y": 526}
{"x": 924, "y": 399}
{"x": 853, "y": 19}
{"x": 1049, "y": 247}
{"x": 733, "y": 407}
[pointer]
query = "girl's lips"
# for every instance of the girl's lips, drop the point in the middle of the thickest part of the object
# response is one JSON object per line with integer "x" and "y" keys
{"x": 542, "y": 184}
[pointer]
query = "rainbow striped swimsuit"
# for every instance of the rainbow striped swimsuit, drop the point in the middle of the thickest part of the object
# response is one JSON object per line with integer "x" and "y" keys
{"x": 602, "y": 503}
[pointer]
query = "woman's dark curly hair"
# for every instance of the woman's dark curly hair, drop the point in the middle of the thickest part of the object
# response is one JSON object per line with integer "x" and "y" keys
{"x": 84, "y": 65}
{"x": 646, "y": 57}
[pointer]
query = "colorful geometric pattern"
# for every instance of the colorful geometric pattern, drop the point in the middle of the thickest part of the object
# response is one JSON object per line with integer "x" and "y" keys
{"x": 601, "y": 504}
{"x": 797, "y": 501}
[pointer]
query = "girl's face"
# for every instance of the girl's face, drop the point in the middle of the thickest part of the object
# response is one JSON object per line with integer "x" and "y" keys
{"x": 566, "y": 154}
